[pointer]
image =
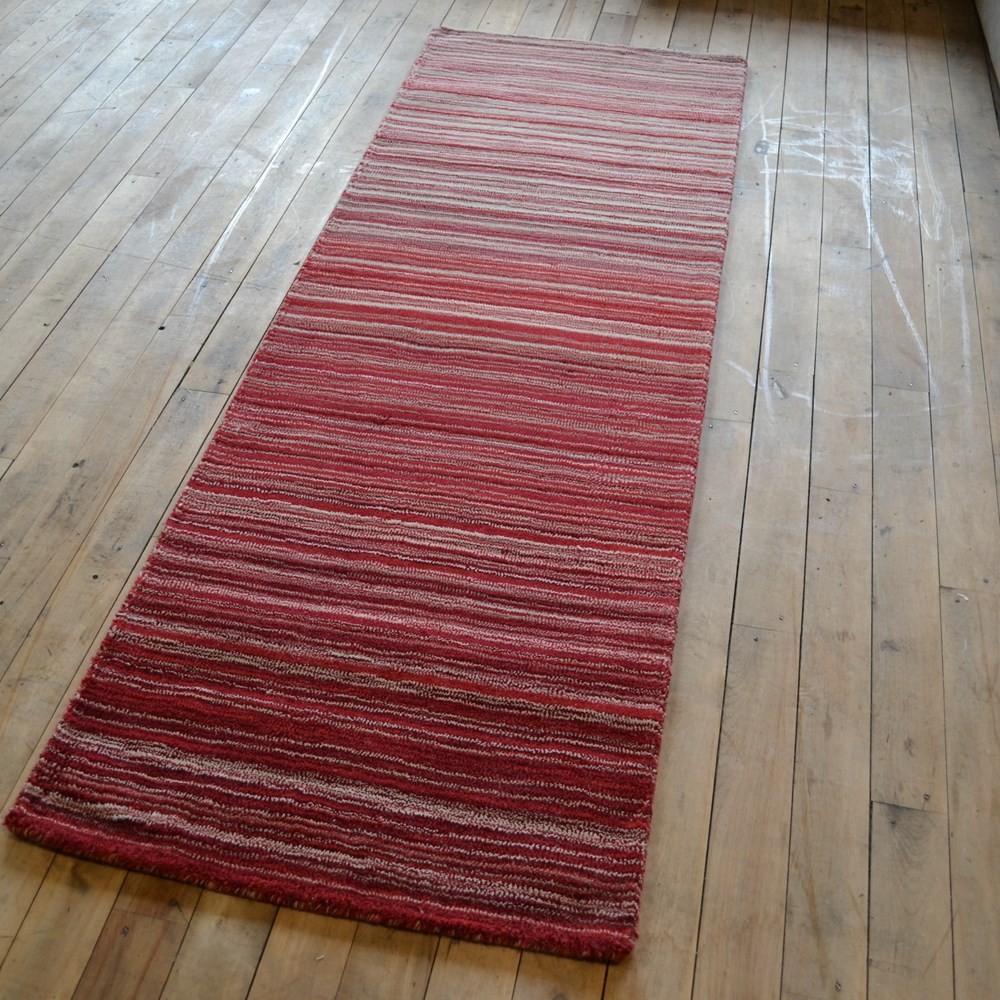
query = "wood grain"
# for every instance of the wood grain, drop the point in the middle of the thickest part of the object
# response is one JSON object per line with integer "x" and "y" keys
{"x": 140, "y": 940}
{"x": 221, "y": 949}
{"x": 826, "y": 920}
{"x": 741, "y": 937}
{"x": 908, "y": 747}
{"x": 305, "y": 956}
{"x": 545, "y": 977}
{"x": 65, "y": 918}
{"x": 971, "y": 640}
{"x": 910, "y": 932}
{"x": 464, "y": 970}
{"x": 388, "y": 963}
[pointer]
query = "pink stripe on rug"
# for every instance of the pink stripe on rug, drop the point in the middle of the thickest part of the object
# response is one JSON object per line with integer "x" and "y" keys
{"x": 402, "y": 649}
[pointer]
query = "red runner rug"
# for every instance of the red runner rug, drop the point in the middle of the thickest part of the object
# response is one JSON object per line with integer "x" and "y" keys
{"x": 402, "y": 649}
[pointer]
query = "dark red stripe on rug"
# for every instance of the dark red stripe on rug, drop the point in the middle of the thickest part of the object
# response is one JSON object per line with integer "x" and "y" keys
{"x": 402, "y": 649}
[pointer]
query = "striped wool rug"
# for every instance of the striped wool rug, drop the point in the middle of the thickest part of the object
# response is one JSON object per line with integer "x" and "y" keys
{"x": 402, "y": 649}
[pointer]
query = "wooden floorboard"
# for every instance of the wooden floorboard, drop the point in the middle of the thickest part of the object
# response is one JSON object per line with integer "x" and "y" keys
{"x": 827, "y": 822}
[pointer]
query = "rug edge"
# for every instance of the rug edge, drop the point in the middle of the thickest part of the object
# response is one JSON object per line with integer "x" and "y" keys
{"x": 587, "y": 944}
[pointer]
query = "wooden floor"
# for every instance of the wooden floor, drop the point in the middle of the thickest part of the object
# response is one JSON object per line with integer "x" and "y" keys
{"x": 828, "y": 815}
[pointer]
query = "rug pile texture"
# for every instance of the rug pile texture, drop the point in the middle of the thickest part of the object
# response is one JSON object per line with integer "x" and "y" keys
{"x": 401, "y": 651}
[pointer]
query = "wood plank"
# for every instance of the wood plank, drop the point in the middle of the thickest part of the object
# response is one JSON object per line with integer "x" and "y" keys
{"x": 774, "y": 539}
{"x": 304, "y": 957}
{"x": 545, "y": 977}
{"x": 773, "y": 546}
{"x": 221, "y": 949}
{"x": 846, "y": 183}
{"x": 221, "y": 205}
{"x": 979, "y": 148}
{"x": 281, "y": 257}
{"x": 240, "y": 37}
{"x": 664, "y": 959}
{"x": 930, "y": 84}
{"x": 826, "y": 918}
{"x": 502, "y": 16}
{"x": 24, "y": 24}
{"x": 120, "y": 157}
{"x": 964, "y": 470}
{"x": 67, "y": 190}
{"x": 22, "y": 166}
{"x": 578, "y": 20}
{"x": 842, "y": 410}
{"x": 984, "y": 236}
{"x": 23, "y": 270}
{"x": 731, "y": 28}
{"x": 297, "y": 37}
{"x": 46, "y": 185}
{"x": 157, "y": 898}
{"x": 972, "y": 98}
{"x": 65, "y": 920}
{"x": 693, "y": 25}
{"x": 540, "y": 18}
{"x": 465, "y": 15}
{"x": 629, "y": 7}
{"x": 132, "y": 958}
{"x": 75, "y": 625}
{"x": 464, "y": 970}
{"x": 737, "y": 345}
{"x": 790, "y": 312}
{"x": 88, "y": 189}
{"x": 614, "y": 29}
{"x": 38, "y": 317}
{"x": 242, "y": 212}
{"x": 190, "y": 177}
{"x": 385, "y": 963}
{"x": 139, "y": 941}
{"x": 118, "y": 212}
{"x": 22, "y": 122}
{"x": 165, "y": 211}
{"x": 144, "y": 52}
{"x": 198, "y": 21}
{"x": 357, "y": 28}
{"x": 224, "y": 42}
{"x": 32, "y": 59}
{"x": 12, "y": 8}
{"x": 900, "y": 354}
{"x": 740, "y": 941}
{"x": 908, "y": 747}
{"x": 233, "y": 340}
{"x": 825, "y": 945}
{"x": 971, "y": 640}
{"x": 126, "y": 78}
{"x": 24, "y": 867}
{"x": 654, "y": 23}
{"x": 890, "y": 120}
{"x": 910, "y": 946}
{"x": 106, "y": 359}
{"x": 68, "y": 626}
{"x": 10, "y": 241}
{"x": 37, "y": 374}
{"x": 215, "y": 119}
